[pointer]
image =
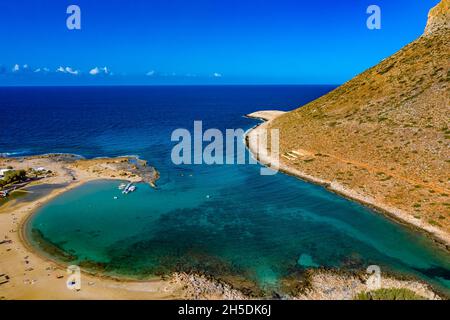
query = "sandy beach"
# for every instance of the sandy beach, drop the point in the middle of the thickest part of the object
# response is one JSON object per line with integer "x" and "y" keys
{"x": 441, "y": 237}
{"x": 32, "y": 276}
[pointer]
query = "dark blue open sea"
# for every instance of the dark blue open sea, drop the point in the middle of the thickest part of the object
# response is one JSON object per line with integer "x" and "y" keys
{"x": 226, "y": 221}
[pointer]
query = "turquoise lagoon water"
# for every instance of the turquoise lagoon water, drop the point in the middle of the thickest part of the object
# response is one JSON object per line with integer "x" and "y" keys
{"x": 227, "y": 221}
{"x": 240, "y": 230}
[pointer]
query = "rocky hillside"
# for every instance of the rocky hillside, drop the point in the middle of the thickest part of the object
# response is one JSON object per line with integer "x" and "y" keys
{"x": 385, "y": 134}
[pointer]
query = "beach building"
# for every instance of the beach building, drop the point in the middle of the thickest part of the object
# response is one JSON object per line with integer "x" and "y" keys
{"x": 3, "y": 171}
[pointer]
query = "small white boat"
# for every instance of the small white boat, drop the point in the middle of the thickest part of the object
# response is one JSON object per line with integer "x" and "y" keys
{"x": 129, "y": 188}
{"x": 122, "y": 186}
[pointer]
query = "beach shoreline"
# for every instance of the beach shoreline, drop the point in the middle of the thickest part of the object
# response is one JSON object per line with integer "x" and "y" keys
{"x": 441, "y": 238}
{"x": 34, "y": 275}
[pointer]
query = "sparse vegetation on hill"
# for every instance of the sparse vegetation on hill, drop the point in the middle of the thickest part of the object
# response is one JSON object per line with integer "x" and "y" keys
{"x": 385, "y": 134}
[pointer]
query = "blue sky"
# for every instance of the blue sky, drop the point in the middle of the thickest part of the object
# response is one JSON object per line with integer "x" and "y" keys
{"x": 201, "y": 41}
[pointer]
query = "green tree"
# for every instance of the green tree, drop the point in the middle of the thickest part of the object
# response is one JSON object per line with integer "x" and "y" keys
{"x": 14, "y": 176}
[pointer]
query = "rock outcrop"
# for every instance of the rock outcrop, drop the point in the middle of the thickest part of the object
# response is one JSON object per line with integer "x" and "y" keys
{"x": 439, "y": 18}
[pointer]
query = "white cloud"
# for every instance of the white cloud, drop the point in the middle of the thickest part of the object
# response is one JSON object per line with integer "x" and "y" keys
{"x": 23, "y": 68}
{"x": 150, "y": 73}
{"x": 71, "y": 71}
{"x": 68, "y": 70}
{"x": 217, "y": 75}
{"x": 94, "y": 71}
{"x": 42, "y": 70}
{"x": 98, "y": 70}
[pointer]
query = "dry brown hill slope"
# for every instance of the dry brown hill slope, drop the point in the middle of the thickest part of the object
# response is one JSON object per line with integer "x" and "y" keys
{"x": 385, "y": 134}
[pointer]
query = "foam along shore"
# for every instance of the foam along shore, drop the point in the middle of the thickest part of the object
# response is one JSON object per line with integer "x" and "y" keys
{"x": 253, "y": 140}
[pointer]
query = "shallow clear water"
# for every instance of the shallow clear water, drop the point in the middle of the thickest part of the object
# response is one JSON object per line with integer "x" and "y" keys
{"x": 227, "y": 221}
